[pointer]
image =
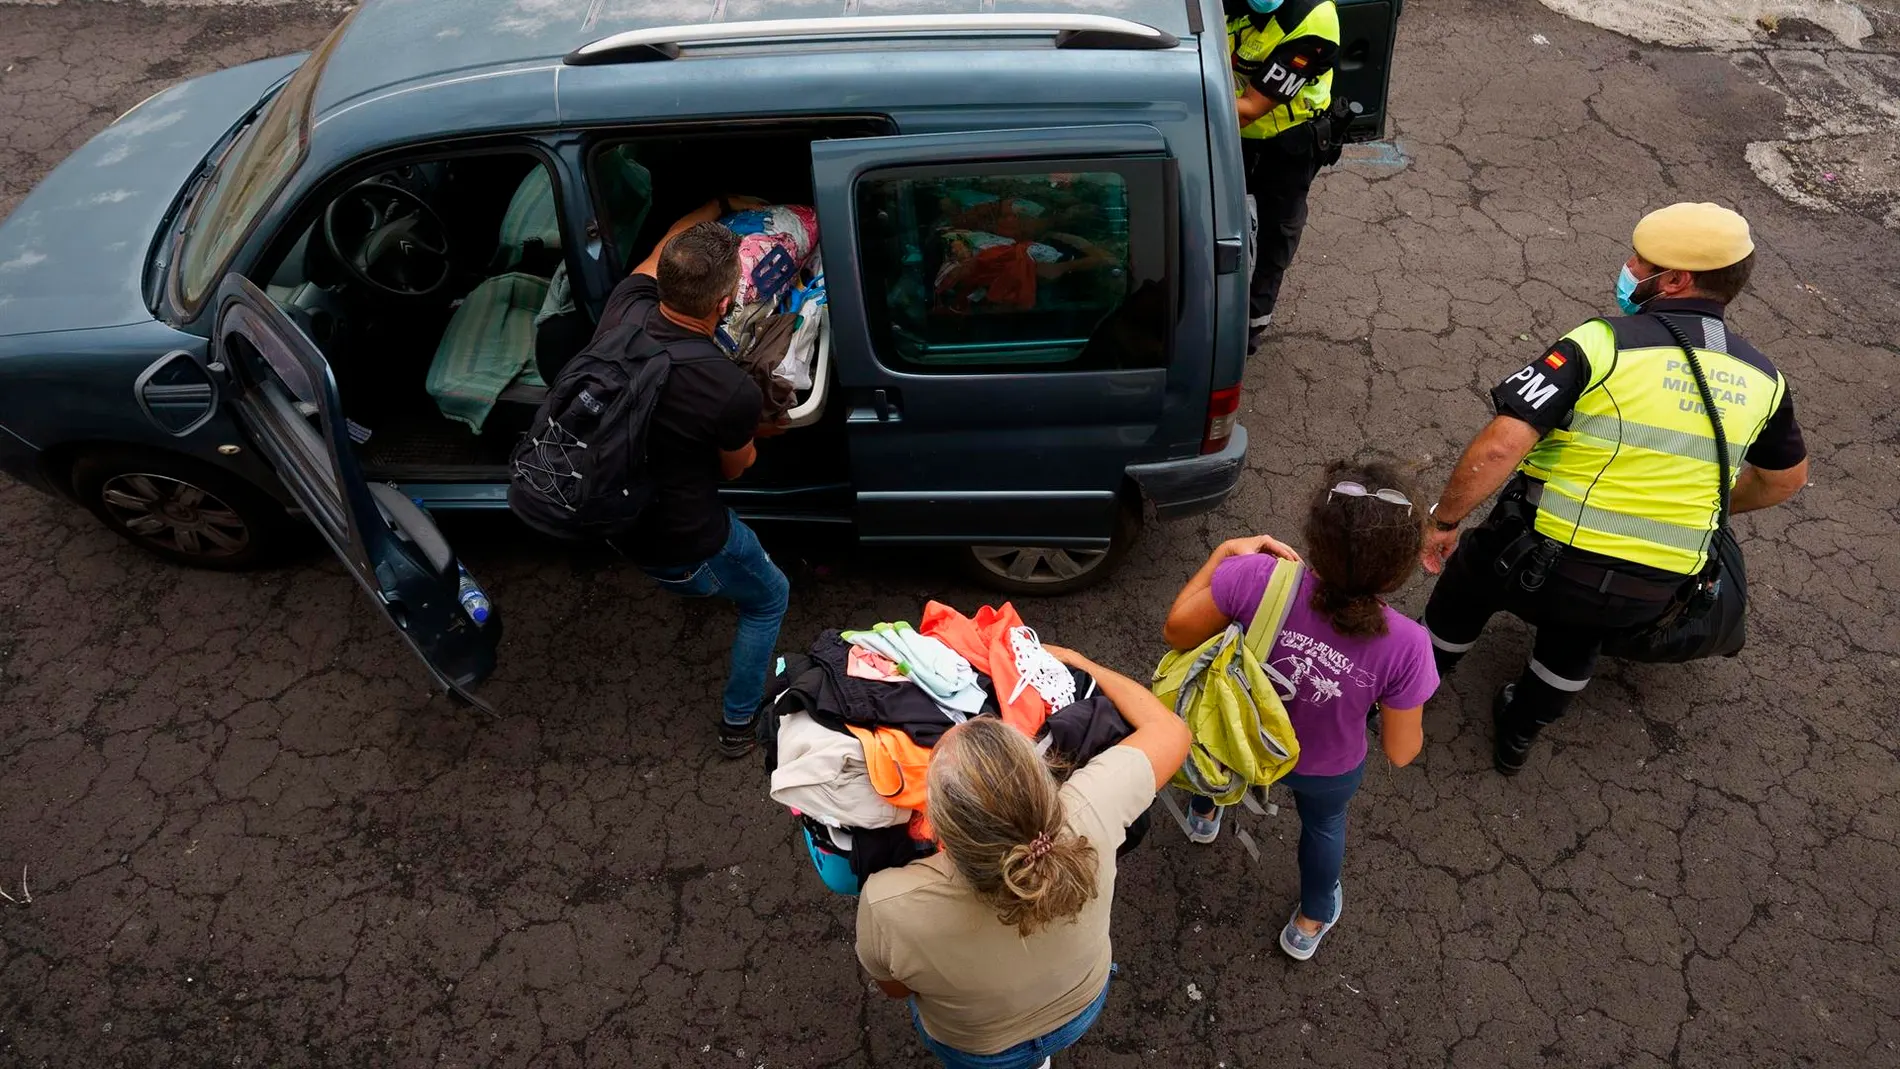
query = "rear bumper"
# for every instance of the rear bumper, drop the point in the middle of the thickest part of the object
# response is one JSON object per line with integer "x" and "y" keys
{"x": 1182, "y": 488}
{"x": 19, "y": 459}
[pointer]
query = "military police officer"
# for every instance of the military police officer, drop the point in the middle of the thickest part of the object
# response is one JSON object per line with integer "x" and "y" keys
{"x": 1282, "y": 52}
{"x": 1607, "y": 458}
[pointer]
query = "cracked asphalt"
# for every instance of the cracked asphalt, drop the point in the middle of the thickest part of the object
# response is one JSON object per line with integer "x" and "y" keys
{"x": 253, "y": 838}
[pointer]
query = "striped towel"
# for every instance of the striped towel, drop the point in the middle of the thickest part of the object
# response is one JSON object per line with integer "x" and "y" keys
{"x": 488, "y": 344}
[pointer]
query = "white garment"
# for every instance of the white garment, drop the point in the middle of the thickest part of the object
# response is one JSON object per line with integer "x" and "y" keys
{"x": 821, "y": 773}
{"x": 1041, "y": 670}
{"x": 808, "y": 302}
{"x": 983, "y": 239}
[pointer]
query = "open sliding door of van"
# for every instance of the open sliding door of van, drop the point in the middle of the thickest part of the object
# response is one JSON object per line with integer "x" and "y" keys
{"x": 1003, "y": 306}
{"x": 1363, "y": 74}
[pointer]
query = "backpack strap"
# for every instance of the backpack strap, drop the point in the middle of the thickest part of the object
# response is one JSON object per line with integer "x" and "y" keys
{"x": 1276, "y": 604}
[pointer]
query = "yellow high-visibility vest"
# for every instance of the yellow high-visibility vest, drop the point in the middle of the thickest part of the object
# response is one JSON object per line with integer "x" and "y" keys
{"x": 1251, "y": 45}
{"x": 1633, "y": 475}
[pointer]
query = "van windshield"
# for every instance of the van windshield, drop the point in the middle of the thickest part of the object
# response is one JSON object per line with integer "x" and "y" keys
{"x": 247, "y": 179}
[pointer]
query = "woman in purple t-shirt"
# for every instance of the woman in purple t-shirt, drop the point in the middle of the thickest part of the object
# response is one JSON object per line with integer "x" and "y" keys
{"x": 1342, "y": 652}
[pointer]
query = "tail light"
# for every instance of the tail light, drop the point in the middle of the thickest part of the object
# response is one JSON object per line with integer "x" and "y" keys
{"x": 1223, "y": 409}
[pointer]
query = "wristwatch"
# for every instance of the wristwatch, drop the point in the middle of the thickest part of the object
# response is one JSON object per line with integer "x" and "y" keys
{"x": 1442, "y": 525}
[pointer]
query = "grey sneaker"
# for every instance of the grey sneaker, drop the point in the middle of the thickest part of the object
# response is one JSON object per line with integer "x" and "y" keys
{"x": 1298, "y": 945}
{"x": 1203, "y": 828}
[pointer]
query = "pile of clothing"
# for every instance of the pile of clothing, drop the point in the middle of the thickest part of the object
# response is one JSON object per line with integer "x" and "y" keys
{"x": 850, "y": 725}
{"x": 778, "y": 308}
{"x": 990, "y": 251}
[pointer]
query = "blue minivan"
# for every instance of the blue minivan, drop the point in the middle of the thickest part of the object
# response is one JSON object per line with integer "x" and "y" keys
{"x": 239, "y": 303}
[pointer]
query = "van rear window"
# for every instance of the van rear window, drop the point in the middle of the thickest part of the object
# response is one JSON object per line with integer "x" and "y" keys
{"x": 1013, "y": 268}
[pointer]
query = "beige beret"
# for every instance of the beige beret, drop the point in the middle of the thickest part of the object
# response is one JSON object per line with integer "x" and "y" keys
{"x": 1693, "y": 237}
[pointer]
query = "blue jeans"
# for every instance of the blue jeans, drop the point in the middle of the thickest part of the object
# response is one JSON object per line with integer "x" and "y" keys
{"x": 1321, "y": 801}
{"x": 743, "y": 574}
{"x": 1025, "y": 1055}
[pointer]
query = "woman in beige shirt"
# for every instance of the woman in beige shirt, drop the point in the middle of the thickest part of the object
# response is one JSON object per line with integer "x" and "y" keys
{"x": 1000, "y": 941}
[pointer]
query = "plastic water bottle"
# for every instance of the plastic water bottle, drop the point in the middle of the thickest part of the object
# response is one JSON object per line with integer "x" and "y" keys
{"x": 474, "y": 602}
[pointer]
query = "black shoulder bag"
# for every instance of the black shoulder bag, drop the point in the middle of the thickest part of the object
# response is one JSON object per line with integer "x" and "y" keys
{"x": 1708, "y": 617}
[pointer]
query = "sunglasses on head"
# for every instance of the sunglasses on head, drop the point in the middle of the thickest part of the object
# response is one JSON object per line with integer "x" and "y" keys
{"x": 1389, "y": 496}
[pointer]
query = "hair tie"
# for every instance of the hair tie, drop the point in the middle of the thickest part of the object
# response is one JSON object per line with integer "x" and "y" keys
{"x": 1040, "y": 846}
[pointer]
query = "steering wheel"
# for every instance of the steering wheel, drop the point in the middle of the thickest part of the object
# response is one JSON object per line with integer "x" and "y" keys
{"x": 389, "y": 239}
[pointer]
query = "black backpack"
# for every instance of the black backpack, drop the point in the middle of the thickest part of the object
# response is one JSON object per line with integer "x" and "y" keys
{"x": 580, "y": 472}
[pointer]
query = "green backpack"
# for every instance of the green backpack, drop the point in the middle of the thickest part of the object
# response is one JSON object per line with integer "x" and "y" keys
{"x": 1242, "y": 736}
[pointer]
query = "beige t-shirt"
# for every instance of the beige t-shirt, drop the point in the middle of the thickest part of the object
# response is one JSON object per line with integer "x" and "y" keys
{"x": 980, "y": 986}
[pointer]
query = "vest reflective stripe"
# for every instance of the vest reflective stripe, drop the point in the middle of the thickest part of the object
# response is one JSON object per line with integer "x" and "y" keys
{"x": 1251, "y": 44}
{"x": 1633, "y": 474}
{"x": 1572, "y": 511}
{"x": 1610, "y": 431}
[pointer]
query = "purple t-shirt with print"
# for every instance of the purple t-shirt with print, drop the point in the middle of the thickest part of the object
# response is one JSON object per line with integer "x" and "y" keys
{"x": 1335, "y": 678}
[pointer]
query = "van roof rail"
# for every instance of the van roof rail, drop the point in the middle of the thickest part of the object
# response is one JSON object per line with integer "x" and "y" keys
{"x": 1069, "y": 30}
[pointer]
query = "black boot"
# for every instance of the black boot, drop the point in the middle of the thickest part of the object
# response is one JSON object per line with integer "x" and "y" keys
{"x": 1511, "y": 738}
{"x": 736, "y": 740}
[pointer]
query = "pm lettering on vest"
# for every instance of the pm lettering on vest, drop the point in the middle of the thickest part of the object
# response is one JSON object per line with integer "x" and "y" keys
{"x": 1282, "y": 82}
{"x": 1535, "y": 390}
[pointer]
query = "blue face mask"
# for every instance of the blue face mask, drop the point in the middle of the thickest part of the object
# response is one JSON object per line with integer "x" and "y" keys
{"x": 1265, "y": 7}
{"x": 1626, "y": 283}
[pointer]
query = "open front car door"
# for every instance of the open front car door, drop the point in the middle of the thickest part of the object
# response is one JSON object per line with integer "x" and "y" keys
{"x": 287, "y": 400}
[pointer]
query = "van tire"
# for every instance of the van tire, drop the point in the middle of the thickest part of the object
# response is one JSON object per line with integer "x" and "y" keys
{"x": 183, "y": 510}
{"x": 989, "y": 565}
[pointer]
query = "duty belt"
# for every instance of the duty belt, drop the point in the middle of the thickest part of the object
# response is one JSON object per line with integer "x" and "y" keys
{"x": 1605, "y": 580}
{"x": 1620, "y": 584}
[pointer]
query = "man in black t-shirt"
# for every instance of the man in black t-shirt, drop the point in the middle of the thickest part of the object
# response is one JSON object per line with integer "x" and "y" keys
{"x": 701, "y": 434}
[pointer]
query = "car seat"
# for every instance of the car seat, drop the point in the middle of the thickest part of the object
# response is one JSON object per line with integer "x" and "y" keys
{"x": 488, "y": 348}
{"x": 531, "y": 222}
{"x": 487, "y": 352}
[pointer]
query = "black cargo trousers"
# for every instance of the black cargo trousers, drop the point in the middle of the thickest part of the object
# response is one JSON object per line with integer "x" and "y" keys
{"x": 1572, "y": 619}
{"x": 1279, "y": 172}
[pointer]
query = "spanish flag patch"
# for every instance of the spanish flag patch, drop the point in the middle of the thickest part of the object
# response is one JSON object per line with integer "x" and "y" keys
{"x": 1554, "y": 360}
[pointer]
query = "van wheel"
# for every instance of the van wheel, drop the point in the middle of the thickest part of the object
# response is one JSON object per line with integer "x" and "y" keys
{"x": 182, "y": 510}
{"x": 1046, "y": 571}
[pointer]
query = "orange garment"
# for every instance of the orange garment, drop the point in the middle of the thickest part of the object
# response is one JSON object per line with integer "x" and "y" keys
{"x": 1005, "y": 274}
{"x": 984, "y": 642}
{"x": 897, "y": 768}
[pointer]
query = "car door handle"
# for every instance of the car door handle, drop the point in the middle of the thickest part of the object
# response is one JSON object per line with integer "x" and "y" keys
{"x": 1229, "y": 253}
{"x": 883, "y": 408}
